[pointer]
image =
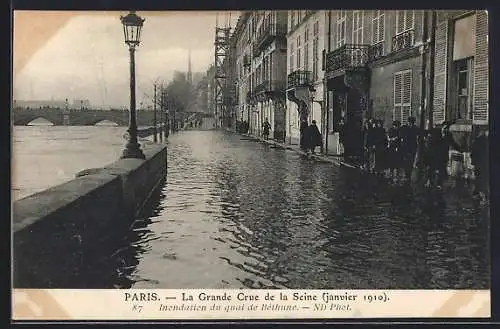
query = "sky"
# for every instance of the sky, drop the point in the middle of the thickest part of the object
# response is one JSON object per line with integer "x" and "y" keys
{"x": 60, "y": 55}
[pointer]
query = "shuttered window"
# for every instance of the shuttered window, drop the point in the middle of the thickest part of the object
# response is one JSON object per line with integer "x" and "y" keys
{"x": 402, "y": 96}
{"x": 378, "y": 27}
{"x": 481, "y": 69}
{"x": 299, "y": 59}
{"x": 306, "y": 49}
{"x": 315, "y": 50}
{"x": 341, "y": 28}
{"x": 440, "y": 69}
{"x": 357, "y": 27}
{"x": 405, "y": 20}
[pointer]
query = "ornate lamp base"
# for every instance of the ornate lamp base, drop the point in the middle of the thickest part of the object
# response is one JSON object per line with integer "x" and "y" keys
{"x": 133, "y": 151}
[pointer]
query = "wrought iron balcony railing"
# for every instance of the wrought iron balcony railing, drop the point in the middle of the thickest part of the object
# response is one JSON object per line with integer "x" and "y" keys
{"x": 266, "y": 35}
{"x": 270, "y": 86}
{"x": 376, "y": 51}
{"x": 299, "y": 78}
{"x": 348, "y": 56}
{"x": 403, "y": 40}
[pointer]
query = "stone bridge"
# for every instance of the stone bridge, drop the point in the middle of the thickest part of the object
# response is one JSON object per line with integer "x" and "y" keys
{"x": 72, "y": 117}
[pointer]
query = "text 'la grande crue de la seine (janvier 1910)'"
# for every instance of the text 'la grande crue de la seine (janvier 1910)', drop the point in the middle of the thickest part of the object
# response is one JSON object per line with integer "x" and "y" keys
{"x": 243, "y": 301}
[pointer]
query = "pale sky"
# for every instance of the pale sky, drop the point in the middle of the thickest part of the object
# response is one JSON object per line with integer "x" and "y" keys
{"x": 86, "y": 57}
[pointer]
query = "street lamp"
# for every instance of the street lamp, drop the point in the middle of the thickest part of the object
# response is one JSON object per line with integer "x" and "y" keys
{"x": 132, "y": 25}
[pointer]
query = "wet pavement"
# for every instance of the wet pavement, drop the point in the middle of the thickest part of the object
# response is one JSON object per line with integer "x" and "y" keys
{"x": 234, "y": 213}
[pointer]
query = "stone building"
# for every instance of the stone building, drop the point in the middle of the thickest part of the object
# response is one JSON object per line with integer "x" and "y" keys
{"x": 261, "y": 70}
{"x": 211, "y": 90}
{"x": 461, "y": 79}
{"x": 306, "y": 44}
{"x": 373, "y": 68}
{"x": 360, "y": 64}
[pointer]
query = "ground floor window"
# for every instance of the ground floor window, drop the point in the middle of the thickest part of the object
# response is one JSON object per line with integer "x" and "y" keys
{"x": 461, "y": 91}
{"x": 402, "y": 96}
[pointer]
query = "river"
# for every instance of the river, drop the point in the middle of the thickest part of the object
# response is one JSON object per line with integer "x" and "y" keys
{"x": 44, "y": 156}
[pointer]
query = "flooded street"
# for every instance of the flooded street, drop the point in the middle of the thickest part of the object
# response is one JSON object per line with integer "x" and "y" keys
{"x": 234, "y": 213}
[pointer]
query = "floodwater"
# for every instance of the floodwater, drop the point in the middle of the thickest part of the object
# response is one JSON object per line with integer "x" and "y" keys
{"x": 235, "y": 213}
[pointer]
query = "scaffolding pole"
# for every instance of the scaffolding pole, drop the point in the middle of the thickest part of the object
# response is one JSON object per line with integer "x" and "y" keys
{"x": 222, "y": 38}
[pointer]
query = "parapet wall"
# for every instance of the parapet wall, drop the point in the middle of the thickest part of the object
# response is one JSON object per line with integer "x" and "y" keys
{"x": 59, "y": 232}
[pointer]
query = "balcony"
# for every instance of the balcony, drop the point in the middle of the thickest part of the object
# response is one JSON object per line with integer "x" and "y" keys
{"x": 270, "y": 86}
{"x": 376, "y": 51}
{"x": 266, "y": 35}
{"x": 347, "y": 57}
{"x": 299, "y": 79}
{"x": 403, "y": 41}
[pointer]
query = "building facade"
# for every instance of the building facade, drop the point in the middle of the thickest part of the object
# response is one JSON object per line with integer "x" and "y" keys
{"x": 377, "y": 61}
{"x": 373, "y": 67}
{"x": 261, "y": 70}
{"x": 306, "y": 44}
{"x": 349, "y": 66}
{"x": 211, "y": 90}
{"x": 461, "y": 79}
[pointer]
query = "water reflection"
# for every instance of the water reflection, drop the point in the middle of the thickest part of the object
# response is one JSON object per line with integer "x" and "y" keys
{"x": 239, "y": 214}
{"x": 136, "y": 243}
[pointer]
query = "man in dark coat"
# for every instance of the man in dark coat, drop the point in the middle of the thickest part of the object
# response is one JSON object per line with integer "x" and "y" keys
{"x": 409, "y": 136}
{"x": 394, "y": 149}
{"x": 313, "y": 137}
{"x": 302, "y": 128}
{"x": 380, "y": 145}
{"x": 479, "y": 159}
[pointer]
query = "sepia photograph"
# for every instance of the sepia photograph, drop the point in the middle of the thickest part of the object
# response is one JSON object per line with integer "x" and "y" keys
{"x": 293, "y": 149}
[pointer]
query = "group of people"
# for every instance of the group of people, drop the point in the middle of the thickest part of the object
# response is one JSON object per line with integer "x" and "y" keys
{"x": 310, "y": 137}
{"x": 242, "y": 126}
{"x": 395, "y": 151}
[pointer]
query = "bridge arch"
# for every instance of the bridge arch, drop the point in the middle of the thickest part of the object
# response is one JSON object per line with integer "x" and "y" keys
{"x": 107, "y": 123}
{"x": 40, "y": 121}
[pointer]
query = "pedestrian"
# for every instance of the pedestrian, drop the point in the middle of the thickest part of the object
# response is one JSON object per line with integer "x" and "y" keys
{"x": 369, "y": 145}
{"x": 380, "y": 146}
{"x": 266, "y": 126}
{"x": 341, "y": 129}
{"x": 302, "y": 128}
{"x": 313, "y": 137}
{"x": 393, "y": 152}
{"x": 438, "y": 158}
{"x": 409, "y": 137}
{"x": 479, "y": 158}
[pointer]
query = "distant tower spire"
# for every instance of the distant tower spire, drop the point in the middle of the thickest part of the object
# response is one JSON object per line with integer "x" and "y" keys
{"x": 189, "y": 74}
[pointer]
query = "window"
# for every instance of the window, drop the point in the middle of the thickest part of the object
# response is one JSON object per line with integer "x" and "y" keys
{"x": 464, "y": 38}
{"x": 299, "y": 59}
{"x": 405, "y": 20}
{"x": 341, "y": 28}
{"x": 357, "y": 27}
{"x": 292, "y": 19}
{"x": 292, "y": 57}
{"x": 315, "y": 70}
{"x": 306, "y": 49}
{"x": 402, "y": 96}
{"x": 316, "y": 28}
{"x": 315, "y": 59}
{"x": 462, "y": 89}
{"x": 378, "y": 27}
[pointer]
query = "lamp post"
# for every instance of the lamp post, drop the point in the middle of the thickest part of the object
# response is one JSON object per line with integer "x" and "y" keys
{"x": 155, "y": 138}
{"x": 132, "y": 25}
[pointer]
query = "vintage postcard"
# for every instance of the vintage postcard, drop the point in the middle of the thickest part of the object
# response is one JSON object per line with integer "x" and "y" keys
{"x": 312, "y": 164}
